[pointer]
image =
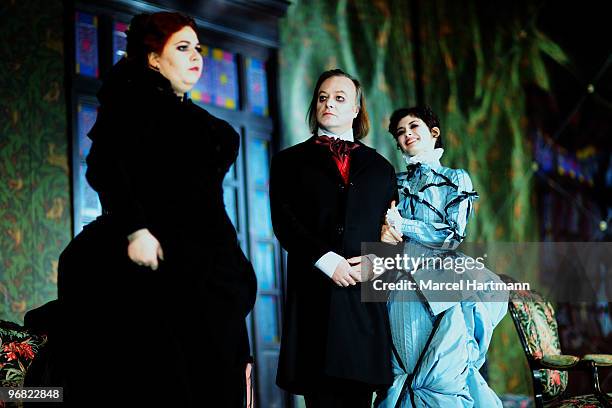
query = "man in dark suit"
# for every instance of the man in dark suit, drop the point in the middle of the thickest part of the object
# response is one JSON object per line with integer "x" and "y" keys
{"x": 328, "y": 195}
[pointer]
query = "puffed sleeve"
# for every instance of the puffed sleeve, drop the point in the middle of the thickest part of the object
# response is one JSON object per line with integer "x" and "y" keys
{"x": 227, "y": 145}
{"x": 455, "y": 212}
{"x": 109, "y": 161}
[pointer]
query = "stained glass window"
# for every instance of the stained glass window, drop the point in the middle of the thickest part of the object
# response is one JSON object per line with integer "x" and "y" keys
{"x": 262, "y": 224}
{"x": 267, "y": 319}
{"x": 257, "y": 86}
{"x": 258, "y": 163}
{"x": 88, "y": 205}
{"x": 86, "y": 114}
{"x": 218, "y": 84}
{"x": 263, "y": 263}
{"x": 86, "y": 47}
{"x": 119, "y": 41}
{"x": 231, "y": 204}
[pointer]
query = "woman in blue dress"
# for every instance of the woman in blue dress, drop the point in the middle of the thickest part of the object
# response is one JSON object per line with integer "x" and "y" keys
{"x": 439, "y": 344}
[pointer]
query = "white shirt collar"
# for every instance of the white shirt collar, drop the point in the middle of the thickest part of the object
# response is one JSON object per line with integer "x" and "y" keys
{"x": 430, "y": 158}
{"x": 348, "y": 135}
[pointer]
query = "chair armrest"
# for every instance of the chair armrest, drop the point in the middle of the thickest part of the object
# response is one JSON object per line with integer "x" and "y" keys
{"x": 592, "y": 362}
{"x": 600, "y": 360}
{"x": 558, "y": 361}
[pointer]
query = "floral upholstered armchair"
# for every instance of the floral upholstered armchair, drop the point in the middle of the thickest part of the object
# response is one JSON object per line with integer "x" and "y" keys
{"x": 18, "y": 348}
{"x": 536, "y": 324}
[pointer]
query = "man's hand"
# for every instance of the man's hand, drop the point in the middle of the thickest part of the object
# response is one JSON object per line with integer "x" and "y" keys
{"x": 363, "y": 267}
{"x": 144, "y": 249}
{"x": 344, "y": 274}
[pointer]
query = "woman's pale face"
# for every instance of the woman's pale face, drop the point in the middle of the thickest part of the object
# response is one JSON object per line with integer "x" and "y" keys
{"x": 337, "y": 104}
{"x": 180, "y": 61}
{"x": 414, "y": 137}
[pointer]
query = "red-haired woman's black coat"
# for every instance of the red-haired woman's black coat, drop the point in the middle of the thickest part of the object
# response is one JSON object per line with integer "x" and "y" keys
{"x": 158, "y": 162}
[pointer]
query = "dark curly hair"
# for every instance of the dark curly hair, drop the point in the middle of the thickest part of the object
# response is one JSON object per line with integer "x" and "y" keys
{"x": 361, "y": 124}
{"x": 425, "y": 113}
{"x": 149, "y": 33}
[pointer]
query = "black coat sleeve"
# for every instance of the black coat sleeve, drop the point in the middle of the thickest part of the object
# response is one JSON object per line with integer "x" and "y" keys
{"x": 110, "y": 161}
{"x": 393, "y": 191}
{"x": 296, "y": 237}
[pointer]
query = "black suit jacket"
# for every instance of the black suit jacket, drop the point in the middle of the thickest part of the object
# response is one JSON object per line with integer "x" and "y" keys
{"x": 327, "y": 330}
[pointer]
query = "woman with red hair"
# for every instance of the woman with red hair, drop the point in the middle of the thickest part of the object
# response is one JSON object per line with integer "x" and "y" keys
{"x": 156, "y": 290}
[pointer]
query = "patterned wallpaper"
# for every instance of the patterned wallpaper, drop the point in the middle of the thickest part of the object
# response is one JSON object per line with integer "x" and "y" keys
{"x": 34, "y": 178}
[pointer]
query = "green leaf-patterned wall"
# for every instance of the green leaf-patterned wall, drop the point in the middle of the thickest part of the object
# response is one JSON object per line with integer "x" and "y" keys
{"x": 475, "y": 63}
{"x": 34, "y": 178}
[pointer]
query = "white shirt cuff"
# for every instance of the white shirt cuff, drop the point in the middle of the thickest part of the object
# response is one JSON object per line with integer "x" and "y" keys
{"x": 328, "y": 263}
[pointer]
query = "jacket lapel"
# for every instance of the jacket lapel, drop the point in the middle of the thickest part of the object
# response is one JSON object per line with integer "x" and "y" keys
{"x": 360, "y": 159}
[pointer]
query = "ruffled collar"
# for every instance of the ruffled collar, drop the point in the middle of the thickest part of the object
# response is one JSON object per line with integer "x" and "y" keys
{"x": 348, "y": 135}
{"x": 429, "y": 159}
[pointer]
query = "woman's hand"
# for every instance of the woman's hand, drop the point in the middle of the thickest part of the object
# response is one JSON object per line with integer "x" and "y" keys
{"x": 393, "y": 217}
{"x": 390, "y": 235}
{"x": 393, "y": 220}
{"x": 144, "y": 249}
{"x": 249, "y": 386}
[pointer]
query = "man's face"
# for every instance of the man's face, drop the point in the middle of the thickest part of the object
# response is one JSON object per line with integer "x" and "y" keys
{"x": 337, "y": 104}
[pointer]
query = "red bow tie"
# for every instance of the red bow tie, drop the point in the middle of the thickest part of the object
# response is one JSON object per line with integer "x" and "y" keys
{"x": 341, "y": 153}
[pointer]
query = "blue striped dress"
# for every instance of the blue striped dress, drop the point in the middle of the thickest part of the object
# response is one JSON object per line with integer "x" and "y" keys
{"x": 439, "y": 346}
